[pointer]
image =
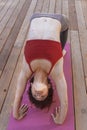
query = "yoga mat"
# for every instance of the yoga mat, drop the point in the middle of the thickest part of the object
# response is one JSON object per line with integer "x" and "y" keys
{"x": 37, "y": 119}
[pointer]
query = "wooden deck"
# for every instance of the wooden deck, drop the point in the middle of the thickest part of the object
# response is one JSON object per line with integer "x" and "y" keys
{"x": 14, "y": 22}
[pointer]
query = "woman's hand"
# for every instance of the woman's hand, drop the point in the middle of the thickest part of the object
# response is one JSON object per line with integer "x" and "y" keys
{"x": 22, "y": 112}
{"x": 57, "y": 116}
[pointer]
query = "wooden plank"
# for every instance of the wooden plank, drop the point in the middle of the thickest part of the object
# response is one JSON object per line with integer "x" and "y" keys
{"x": 80, "y": 17}
{"x": 7, "y": 30}
{"x": 10, "y": 96}
{"x": 7, "y": 75}
{"x": 65, "y": 8}
{"x": 8, "y": 15}
{"x": 2, "y": 4}
{"x": 80, "y": 97}
{"x": 45, "y": 6}
{"x": 7, "y": 71}
{"x": 39, "y": 6}
{"x": 58, "y": 6}
{"x": 1, "y": 1}
{"x": 84, "y": 7}
{"x": 4, "y": 116}
{"x": 5, "y": 21}
{"x": 13, "y": 35}
{"x": 83, "y": 34}
{"x": 5, "y": 9}
{"x": 52, "y": 6}
{"x": 72, "y": 15}
{"x": 83, "y": 40}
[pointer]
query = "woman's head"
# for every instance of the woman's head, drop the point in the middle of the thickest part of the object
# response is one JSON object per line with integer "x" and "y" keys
{"x": 39, "y": 90}
{"x": 40, "y": 94}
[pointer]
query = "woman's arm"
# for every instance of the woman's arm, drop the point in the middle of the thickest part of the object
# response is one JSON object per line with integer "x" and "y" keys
{"x": 18, "y": 110}
{"x": 61, "y": 86}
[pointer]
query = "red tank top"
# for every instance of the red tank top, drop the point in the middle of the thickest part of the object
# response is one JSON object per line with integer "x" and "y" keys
{"x": 42, "y": 49}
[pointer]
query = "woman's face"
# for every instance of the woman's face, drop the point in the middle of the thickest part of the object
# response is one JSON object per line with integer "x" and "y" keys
{"x": 39, "y": 91}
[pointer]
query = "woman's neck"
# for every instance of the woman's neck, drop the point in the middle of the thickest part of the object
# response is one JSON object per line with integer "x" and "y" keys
{"x": 40, "y": 76}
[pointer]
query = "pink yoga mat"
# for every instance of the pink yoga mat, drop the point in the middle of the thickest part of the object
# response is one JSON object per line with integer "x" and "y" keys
{"x": 37, "y": 119}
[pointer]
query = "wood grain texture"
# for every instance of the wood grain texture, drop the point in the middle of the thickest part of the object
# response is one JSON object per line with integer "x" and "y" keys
{"x": 72, "y": 15}
{"x": 4, "y": 24}
{"x": 80, "y": 97}
{"x": 45, "y": 6}
{"x": 82, "y": 33}
{"x": 13, "y": 35}
{"x": 14, "y": 25}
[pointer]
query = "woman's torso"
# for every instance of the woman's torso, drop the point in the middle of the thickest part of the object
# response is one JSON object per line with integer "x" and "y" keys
{"x": 44, "y": 28}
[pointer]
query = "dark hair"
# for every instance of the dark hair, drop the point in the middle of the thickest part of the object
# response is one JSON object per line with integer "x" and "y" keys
{"x": 41, "y": 104}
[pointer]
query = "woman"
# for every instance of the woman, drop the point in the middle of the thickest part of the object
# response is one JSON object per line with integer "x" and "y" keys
{"x": 43, "y": 56}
